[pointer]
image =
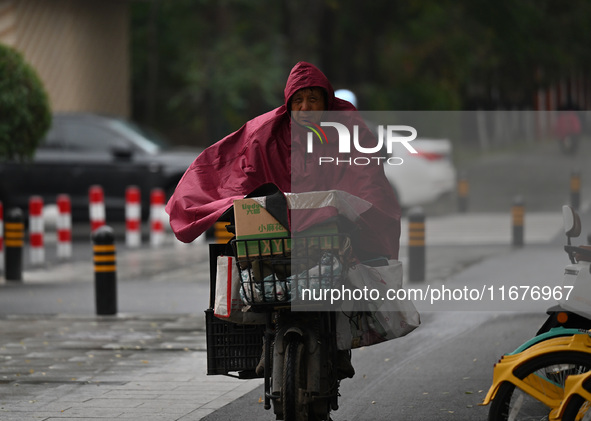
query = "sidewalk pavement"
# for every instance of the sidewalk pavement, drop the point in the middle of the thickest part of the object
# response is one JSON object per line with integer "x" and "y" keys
{"x": 133, "y": 367}
{"x": 137, "y": 366}
{"x": 128, "y": 366}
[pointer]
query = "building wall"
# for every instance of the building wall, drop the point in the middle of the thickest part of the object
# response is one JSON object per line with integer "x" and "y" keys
{"x": 80, "y": 49}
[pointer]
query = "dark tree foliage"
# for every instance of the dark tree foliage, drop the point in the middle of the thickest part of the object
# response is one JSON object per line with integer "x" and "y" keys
{"x": 201, "y": 68}
{"x": 25, "y": 114}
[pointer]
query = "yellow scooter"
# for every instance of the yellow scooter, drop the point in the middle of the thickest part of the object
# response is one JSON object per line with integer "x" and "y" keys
{"x": 576, "y": 405}
{"x": 530, "y": 384}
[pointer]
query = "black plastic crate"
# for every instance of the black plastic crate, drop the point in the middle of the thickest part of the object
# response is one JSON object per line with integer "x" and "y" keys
{"x": 232, "y": 347}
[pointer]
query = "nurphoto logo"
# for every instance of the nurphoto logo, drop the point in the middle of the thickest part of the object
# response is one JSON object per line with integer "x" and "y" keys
{"x": 387, "y": 135}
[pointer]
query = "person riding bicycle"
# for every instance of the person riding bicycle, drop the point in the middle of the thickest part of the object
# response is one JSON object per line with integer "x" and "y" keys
{"x": 260, "y": 152}
{"x": 270, "y": 149}
{"x": 568, "y": 127}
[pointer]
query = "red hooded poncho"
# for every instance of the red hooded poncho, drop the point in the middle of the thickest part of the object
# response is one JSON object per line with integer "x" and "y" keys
{"x": 260, "y": 152}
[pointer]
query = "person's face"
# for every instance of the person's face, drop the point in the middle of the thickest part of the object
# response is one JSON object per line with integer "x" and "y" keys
{"x": 304, "y": 102}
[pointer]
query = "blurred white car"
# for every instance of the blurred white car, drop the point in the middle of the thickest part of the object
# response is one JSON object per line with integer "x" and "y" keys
{"x": 424, "y": 177}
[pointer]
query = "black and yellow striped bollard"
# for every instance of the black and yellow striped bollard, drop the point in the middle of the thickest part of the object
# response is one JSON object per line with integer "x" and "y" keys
{"x": 463, "y": 188}
{"x": 105, "y": 271}
{"x": 575, "y": 190}
{"x": 518, "y": 221}
{"x": 14, "y": 240}
{"x": 416, "y": 245}
{"x": 221, "y": 234}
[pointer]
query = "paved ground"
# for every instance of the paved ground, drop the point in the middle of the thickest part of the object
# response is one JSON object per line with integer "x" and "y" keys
{"x": 136, "y": 366}
{"x": 125, "y": 367}
{"x": 151, "y": 365}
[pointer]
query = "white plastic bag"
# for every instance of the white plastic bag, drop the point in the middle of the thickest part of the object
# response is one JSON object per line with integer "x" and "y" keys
{"x": 374, "y": 321}
{"x": 228, "y": 305}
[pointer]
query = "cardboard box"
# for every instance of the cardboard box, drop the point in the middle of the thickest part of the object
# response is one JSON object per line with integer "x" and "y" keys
{"x": 268, "y": 236}
{"x": 254, "y": 222}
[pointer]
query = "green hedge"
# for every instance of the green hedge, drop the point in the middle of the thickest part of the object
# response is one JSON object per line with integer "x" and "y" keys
{"x": 25, "y": 114}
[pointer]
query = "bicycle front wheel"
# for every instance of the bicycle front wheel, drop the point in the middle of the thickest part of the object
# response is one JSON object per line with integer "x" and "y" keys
{"x": 294, "y": 379}
{"x": 546, "y": 373}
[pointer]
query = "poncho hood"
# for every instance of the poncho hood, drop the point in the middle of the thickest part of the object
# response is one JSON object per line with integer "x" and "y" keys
{"x": 260, "y": 153}
{"x": 305, "y": 75}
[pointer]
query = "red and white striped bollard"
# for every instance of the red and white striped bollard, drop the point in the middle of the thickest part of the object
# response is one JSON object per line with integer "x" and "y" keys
{"x": 133, "y": 217}
{"x": 36, "y": 229}
{"x": 157, "y": 215}
{"x": 64, "y": 226}
{"x": 96, "y": 207}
